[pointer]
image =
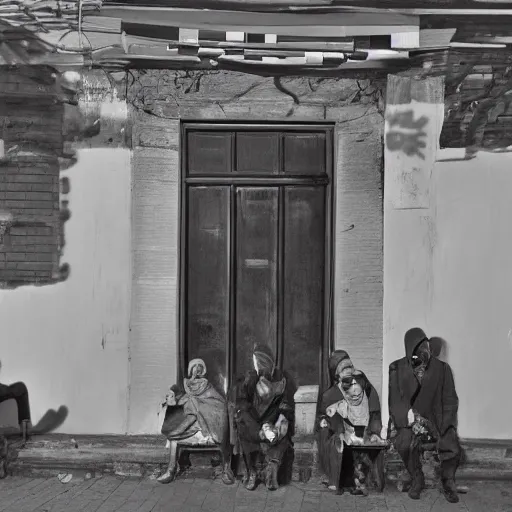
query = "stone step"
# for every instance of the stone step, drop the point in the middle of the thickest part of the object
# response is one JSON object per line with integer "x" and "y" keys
{"x": 146, "y": 456}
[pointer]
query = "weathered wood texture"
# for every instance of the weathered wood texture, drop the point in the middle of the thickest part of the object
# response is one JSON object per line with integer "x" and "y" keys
{"x": 302, "y": 5}
{"x": 155, "y": 234}
{"x": 160, "y": 99}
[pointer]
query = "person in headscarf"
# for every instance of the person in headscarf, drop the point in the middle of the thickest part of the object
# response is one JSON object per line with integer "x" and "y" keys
{"x": 348, "y": 412}
{"x": 196, "y": 415}
{"x": 423, "y": 406}
{"x": 264, "y": 416}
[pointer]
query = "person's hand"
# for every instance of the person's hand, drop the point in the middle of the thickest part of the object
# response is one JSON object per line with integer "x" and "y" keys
{"x": 375, "y": 438}
{"x": 324, "y": 424}
{"x": 342, "y": 409}
{"x": 410, "y": 417}
{"x": 270, "y": 435}
{"x": 269, "y": 432}
{"x": 331, "y": 410}
{"x": 352, "y": 440}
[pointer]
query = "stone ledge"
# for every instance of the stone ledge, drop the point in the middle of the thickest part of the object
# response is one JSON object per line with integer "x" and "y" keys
{"x": 146, "y": 456}
{"x": 306, "y": 395}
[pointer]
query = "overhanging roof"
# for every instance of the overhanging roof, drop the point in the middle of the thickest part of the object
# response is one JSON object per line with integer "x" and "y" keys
{"x": 271, "y": 37}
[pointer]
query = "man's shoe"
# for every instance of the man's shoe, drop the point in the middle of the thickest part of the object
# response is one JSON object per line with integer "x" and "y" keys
{"x": 271, "y": 476}
{"x": 359, "y": 490}
{"x": 252, "y": 481}
{"x": 228, "y": 477}
{"x": 418, "y": 484}
{"x": 167, "y": 477}
{"x": 450, "y": 491}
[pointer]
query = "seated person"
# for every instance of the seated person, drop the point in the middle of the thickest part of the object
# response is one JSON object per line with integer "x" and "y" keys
{"x": 349, "y": 413}
{"x": 18, "y": 392}
{"x": 196, "y": 416}
{"x": 423, "y": 407}
{"x": 264, "y": 416}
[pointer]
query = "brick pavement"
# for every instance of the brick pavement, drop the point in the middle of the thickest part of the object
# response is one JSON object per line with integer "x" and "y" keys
{"x": 113, "y": 494}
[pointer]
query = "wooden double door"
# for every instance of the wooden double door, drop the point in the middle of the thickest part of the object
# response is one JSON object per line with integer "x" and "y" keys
{"x": 256, "y": 251}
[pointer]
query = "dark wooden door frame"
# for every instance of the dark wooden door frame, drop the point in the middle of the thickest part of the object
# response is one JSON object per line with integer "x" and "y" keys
{"x": 255, "y": 180}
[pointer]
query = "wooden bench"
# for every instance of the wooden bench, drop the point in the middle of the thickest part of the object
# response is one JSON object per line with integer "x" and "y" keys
{"x": 183, "y": 448}
{"x": 376, "y": 476}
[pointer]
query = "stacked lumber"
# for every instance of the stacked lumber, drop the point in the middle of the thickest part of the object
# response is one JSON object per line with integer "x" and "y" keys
{"x": 299, "y": 37}
{"x": 323, "y": 37}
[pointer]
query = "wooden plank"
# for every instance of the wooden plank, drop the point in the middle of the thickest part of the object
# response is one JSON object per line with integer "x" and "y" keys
{"x": 194, "y": 18}
{"x": 430, "y": 38}
{"x": 273, "y": 69}
{"x": 405, "y": 40}
{"x": 303, "y": 45}
{"x": 319, "y": 5}
{"x": 101, "y": 24}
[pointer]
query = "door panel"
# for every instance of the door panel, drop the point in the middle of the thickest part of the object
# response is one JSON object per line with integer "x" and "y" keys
{"x": 254, "y": 260}
{"x": 209, "y": 153}
{"x": 256, "y": 271}
{"x": 304, "y": 153}
{"x": 304, "y": 244}
{"x": 207, "y": 332}
{"x": 257, "y": 152}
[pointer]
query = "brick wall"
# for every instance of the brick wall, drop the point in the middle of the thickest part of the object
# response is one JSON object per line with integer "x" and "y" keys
{"x": 31, "y": 127}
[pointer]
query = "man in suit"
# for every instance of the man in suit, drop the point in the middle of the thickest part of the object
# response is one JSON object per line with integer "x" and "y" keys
{"x": 423, "y": 403}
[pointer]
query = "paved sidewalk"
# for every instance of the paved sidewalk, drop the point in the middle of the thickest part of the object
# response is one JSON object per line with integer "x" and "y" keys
{"x": 112, "y": 494}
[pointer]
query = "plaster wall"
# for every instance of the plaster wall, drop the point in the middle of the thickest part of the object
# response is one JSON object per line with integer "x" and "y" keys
{"x": 448, "y": 270}
{"x": 69, "y": 341}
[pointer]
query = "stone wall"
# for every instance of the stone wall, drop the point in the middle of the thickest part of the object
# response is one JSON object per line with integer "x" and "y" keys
{"x": 159, "y": 100}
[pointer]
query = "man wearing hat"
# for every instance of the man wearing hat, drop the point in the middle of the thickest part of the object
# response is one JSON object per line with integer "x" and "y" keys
{"x": 264, "y": 416}
{"x": 423, "y": 405}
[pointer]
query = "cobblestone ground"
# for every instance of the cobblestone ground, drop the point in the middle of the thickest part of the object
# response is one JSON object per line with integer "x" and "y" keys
{"x": 111, "y": 494}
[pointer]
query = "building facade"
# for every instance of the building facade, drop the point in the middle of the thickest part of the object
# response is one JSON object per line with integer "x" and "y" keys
{"x": 209, "y": 209}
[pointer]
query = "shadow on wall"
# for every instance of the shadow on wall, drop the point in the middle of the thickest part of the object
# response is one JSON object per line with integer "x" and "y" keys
{"x": 439, "y": 348}
{"x": 51, "y": 420}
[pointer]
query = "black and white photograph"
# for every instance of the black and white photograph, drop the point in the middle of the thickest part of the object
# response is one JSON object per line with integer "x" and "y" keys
{"x": 256, "y": 255}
